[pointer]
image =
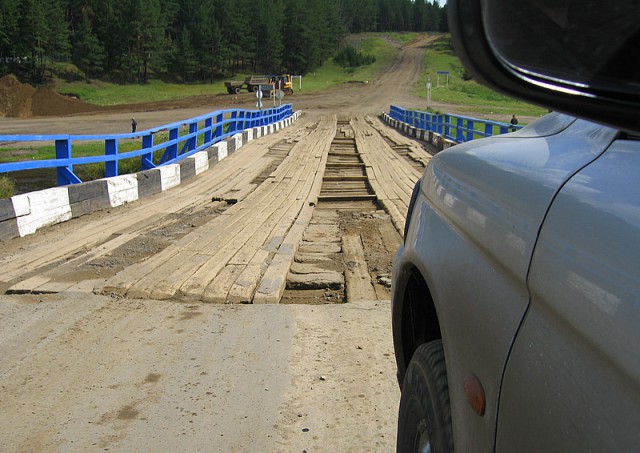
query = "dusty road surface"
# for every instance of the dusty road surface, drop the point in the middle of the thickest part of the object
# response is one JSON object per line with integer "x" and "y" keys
{"x": 187, "y": 322}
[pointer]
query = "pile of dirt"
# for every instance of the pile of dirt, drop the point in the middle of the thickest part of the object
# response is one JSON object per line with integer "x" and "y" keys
{"x": 21, "y": 100}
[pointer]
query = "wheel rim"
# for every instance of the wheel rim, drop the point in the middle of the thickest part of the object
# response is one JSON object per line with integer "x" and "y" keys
{"x": 423, "y": 440}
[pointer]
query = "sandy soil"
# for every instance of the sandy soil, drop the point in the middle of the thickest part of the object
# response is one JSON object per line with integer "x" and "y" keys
{"x": 85, "y": 372}
{"x": 97, "y": 374}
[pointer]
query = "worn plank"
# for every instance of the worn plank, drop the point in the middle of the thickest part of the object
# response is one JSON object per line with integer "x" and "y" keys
{"x": 357, "y": 275}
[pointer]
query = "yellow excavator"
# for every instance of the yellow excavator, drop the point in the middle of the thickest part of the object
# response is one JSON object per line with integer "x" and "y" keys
{"x": 283, "y": 82}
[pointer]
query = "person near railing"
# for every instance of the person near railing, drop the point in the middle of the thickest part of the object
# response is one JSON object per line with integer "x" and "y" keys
{"x": 514, "y": 122}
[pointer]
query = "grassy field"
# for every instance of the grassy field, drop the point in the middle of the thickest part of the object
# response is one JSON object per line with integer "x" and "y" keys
{"x": 477, "y": 98}
{"x": 103, "y": 93}
{"x": 331, "y": 74}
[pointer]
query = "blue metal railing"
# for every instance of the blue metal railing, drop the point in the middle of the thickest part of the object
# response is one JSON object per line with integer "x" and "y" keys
{"x": 453, "y": 127}
{"x": 183, "y": 138}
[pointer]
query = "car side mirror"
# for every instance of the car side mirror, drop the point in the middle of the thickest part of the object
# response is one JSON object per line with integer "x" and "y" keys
{"x": 580, "y": 57}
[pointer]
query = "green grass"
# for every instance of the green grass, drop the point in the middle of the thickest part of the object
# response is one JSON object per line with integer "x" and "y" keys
{"x": 103, "y": 93}
{"x": 476, "y": 98}
{"x": 7, "y": 187}
{"x": 404, "y": 38}
{"x": 330, "y": 74}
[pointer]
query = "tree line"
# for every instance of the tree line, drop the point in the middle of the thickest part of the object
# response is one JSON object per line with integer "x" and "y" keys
{"x": 192, "y": 40}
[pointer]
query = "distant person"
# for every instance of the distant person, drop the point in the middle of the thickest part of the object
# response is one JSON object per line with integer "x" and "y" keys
{"x": 514, "y": 122}
{"x": 134, "y": 125}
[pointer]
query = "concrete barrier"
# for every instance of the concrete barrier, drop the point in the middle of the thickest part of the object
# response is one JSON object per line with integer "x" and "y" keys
{"x": 433, "y": 138}
{"x": 26, "y": 213}
{"x": 44, "y": 207}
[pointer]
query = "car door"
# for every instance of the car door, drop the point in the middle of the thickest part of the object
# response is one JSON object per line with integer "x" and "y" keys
{"x": 572, "y": 381}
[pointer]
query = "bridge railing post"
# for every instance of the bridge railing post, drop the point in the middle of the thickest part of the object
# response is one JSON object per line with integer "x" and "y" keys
{"x": 193, "y": 141}
{"x": 233, "y": 124}
{"x": 219, "y": 129}
{"x": 208, "y": 132}
{"x": 243, "y": 120}
{"x": 470, "y": 130}
{"x": 171, "y": 152}
{"x": 146, "y": 160}
{"x": 65, "y": 173}
{"x": 111, "y": 149}
{"x": 488, "y": 129}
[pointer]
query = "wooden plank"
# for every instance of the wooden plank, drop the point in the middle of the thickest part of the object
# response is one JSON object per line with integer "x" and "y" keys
{"x": 54, "y": 287}
{"x": 194, "y": 286}
{"x": 273, "y": 282}
{"x": 356, "y": 273}
{"x": 394, "y": 179}
{"x": 28, "y": 286}
{"x": 245, "y": 285}
{"x": 158, "y": 281}
{"x": 276, "y": 221}
{"x": 216, "y": 292}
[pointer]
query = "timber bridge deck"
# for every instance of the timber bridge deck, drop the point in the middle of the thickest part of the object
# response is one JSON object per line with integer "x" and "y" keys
{"x": 276, "y": 216}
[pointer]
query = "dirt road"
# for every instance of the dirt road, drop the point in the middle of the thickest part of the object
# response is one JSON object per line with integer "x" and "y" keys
{"x": 113, "y": 345}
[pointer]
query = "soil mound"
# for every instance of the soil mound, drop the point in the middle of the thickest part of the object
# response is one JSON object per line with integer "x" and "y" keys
{"x": 21, "y": 100}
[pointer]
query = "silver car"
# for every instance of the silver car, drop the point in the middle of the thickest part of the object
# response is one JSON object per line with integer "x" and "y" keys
{"x": 516, "y": 294}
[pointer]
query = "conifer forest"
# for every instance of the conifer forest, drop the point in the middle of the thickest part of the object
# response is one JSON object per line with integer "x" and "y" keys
{"x": 133, "y": 41}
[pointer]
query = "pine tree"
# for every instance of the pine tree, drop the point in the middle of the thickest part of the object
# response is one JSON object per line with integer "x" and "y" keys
{"x": 9, "y": 35}
{"x": 88, "y": 52}
{"x": 268, "y": 17}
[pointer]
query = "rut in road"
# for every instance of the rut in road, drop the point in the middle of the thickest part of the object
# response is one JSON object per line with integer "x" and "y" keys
{"x": 315, "y": 218}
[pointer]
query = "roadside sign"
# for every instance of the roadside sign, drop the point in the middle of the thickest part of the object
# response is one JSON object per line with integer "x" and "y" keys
{"x": 259, "y": 94}
{"x": 444, "y": 73}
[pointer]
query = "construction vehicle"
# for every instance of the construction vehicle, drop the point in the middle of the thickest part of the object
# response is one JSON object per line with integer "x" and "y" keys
{"x": 284, "y": 83}
{"x": 234, "y": 86}
{"x": 252, "y": 83}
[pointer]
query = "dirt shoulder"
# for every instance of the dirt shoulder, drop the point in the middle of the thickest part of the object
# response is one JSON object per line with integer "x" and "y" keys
{"x": 94, "y": 373}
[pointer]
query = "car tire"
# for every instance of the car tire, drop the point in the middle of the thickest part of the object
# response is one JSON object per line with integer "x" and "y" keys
{"x": 424, "y": 418}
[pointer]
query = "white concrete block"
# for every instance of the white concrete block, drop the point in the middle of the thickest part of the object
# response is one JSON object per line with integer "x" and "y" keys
{"x": 122, "y": 189}
{"x": 238, "y": 139}
{"x": 45, "y": 207}
{"x": 21, "y": 204}
{"x": 221, "y": 149}
{"x": 169, "y": 176}
{"x": 201, "y": 161}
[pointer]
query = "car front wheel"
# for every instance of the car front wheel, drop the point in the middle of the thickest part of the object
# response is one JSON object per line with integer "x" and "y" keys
{"x": 424, "y": 418}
